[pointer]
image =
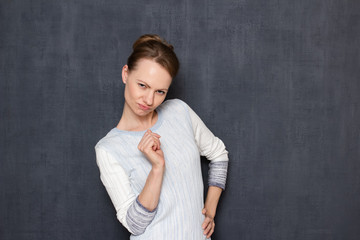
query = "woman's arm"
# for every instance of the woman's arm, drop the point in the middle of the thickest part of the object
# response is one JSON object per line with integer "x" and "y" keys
{"x": 217, "y": 180}
{"x": 214, "y": 150}
{"x": 150, "y": 147}
{"x": 135, "y": 213}
{"x": 117, "y": 185}
{"x": 209, "y": 210}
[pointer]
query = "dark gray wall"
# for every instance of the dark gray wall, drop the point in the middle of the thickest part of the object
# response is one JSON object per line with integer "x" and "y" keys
{"x": 278, "y": 81}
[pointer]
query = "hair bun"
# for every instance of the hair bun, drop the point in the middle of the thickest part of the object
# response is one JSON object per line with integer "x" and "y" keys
{"x": 153, "y": 47}
{"x": 151, "y": 37}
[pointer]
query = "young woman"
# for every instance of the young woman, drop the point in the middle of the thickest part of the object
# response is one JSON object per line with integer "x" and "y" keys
{"x": 150, "y": 162}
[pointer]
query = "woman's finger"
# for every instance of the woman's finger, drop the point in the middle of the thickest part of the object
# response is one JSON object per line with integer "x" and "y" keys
{"x": 208, "y": 228}
{"x": 156, "y": 138}
{"x": 143, "y": 139}
{"x": 148, "y": 134}
{"x": 150, "y": 143}
{"x": 155, "y": 134}
{"x": 211, "y": 230}
{"x": 154, "y": 143}
{"x": 158, "y": 143}
{"x": 206, "y": 222}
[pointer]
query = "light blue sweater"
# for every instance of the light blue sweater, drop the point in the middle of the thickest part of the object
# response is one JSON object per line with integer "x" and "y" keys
{"x": 124, "y": 171}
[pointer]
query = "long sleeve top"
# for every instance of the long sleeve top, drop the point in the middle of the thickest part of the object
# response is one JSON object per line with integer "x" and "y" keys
{"x": 124, "y": 170}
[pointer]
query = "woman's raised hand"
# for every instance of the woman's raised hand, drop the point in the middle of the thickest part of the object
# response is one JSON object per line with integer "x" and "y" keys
{"x": 149, "y": 145}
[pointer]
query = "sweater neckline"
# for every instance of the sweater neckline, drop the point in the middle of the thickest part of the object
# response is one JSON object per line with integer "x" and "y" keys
{"x": 153, "y": 128}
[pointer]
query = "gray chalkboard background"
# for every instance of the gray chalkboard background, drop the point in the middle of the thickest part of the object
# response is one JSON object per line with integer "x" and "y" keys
{"x": 277, "y": 81}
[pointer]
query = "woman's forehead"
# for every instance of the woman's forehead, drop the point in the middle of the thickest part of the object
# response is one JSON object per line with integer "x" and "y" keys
{"x": 152, "y": 74}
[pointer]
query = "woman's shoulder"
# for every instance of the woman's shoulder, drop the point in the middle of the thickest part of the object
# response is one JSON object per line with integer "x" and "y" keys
{"x": 110, "y": 140}
{"x": 175, "y": 110}
{"x": 174, "y": 104}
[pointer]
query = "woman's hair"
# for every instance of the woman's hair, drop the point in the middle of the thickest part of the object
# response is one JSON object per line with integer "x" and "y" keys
{"x": 153, "y": 47}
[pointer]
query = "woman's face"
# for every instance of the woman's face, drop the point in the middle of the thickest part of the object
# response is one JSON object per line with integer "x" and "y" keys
{"x": 146, "y": 86}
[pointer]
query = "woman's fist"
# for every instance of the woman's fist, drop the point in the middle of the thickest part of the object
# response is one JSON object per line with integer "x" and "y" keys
{"x": 149, "y": 145}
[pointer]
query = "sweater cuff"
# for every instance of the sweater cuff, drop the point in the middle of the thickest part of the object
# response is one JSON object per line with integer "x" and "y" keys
{"x": 138, "y": 217}
{"x": 217, "y": 174}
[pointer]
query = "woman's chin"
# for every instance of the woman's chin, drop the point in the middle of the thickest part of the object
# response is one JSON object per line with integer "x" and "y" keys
{"x": 143, "y": 113}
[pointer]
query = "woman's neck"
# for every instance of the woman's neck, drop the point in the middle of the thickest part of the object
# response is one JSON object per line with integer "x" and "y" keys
{"x": 131, "y": 122}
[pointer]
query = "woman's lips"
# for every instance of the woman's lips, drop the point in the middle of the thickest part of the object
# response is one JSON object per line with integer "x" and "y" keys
{"x": 145, "y": 108}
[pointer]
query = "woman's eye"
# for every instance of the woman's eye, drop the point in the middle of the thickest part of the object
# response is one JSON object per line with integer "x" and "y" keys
{"x": 141, "y": 85}
{"x": 161, "y": 92}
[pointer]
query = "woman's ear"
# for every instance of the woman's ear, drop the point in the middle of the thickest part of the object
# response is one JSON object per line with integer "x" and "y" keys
{"x": 125, "y": 73}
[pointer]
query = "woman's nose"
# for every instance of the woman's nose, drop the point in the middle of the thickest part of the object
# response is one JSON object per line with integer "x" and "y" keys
{"x": 149, "y": 98}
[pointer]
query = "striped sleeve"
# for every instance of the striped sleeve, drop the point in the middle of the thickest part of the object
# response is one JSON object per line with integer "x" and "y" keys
{"x": 217, "y": 174}
{"x": 138, "y": 217}
{"x": 129, "y": 211}
{"x": 213, "y": 149}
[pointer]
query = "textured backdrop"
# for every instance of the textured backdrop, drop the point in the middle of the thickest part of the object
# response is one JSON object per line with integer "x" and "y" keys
{"x": 277, "y": 81}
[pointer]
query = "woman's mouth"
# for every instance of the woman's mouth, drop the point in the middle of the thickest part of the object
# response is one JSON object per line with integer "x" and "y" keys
{"x": 143, "y": 107}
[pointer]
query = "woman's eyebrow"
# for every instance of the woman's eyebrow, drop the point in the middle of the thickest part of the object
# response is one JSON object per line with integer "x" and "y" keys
{"x": 143, "y": 82}
{"x": 163, "y": 89}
